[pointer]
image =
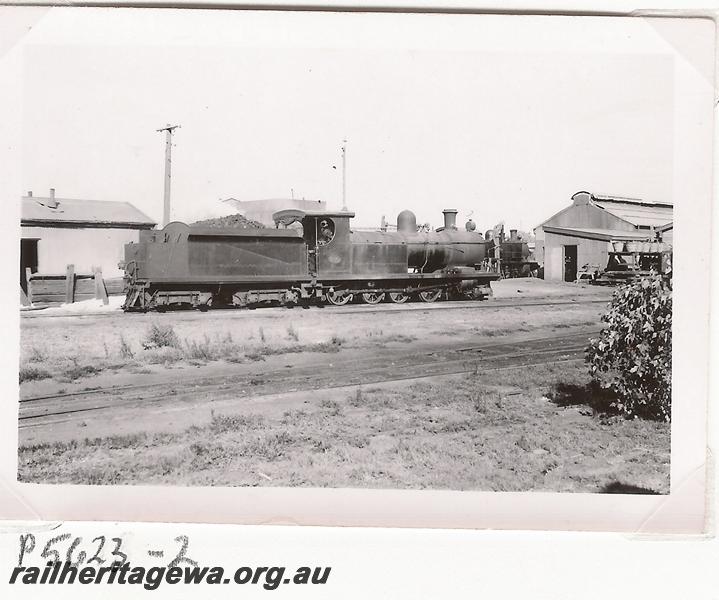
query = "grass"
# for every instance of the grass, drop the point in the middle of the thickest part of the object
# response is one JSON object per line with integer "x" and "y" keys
{"x": 125, "y": 349}
{"x": 33, "y": 373}
{"x": 161, "y": 345}
{"x": 292, "y": 333}
{"x": 119, "y": 343}
{"x": 496, "y": 431}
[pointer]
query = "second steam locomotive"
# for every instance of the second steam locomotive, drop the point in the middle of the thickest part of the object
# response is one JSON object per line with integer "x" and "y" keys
{"x": 321, "y": 260}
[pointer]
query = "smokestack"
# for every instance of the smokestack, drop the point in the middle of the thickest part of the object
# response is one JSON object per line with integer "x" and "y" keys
{"x": 450, "y": 218}
{"x": 513, "y": 235}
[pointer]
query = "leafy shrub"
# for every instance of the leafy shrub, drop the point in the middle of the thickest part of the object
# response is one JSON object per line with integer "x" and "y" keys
{"x": 160, "y": 336}
{"x": 633, "y": 354}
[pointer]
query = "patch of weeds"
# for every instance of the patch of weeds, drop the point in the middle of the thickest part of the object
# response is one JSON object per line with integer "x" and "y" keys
{"x": 77, "y": 371}
{"x": 482, "y": 400}
{"x": 358, "y": 441}
{"x": 199, "y": 350}
{"x": 224, "y": 423}
{"x": 292, "y": 333}
{"x": 331, "y": 405}
{"x": 37, "y": 355}
{"x": 160, "y": 336}
{"x": 454, "y": 426}
{"x": 125, "y": 348}
{"x": 140, "y": 371}
{"x": 321, "y": 446}
{"x": 358, "y": 399}
{"x": 270, "y": 447}
{"x": 399, "y": 337}
{"x": 163, "y": 356}
{"x": 33, "y": 373}
{"x": 333, "y": 345}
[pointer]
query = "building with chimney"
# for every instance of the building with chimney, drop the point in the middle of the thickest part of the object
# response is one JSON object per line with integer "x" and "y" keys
{"x": 56, "y": 232}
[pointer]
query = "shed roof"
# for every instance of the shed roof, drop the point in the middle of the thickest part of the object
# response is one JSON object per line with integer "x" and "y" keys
{"x": 637, "y": 212}
{"x": 634, "y": 211}
{"x": 600, "y": 234}
{"x": 37, "y": 210}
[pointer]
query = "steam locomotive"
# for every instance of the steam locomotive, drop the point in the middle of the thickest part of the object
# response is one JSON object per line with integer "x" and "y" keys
{"x": 310, "y": 257}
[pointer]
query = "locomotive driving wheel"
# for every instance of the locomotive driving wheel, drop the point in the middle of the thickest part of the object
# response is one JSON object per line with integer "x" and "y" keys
{"x": 398, "y": 297}
{"x": 372, "y": 297}
{"x": 430, "y": 295}
{"x": 338, "y": 298}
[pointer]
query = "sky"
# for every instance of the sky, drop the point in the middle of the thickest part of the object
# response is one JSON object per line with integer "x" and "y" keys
{"x": 502, "y": 118}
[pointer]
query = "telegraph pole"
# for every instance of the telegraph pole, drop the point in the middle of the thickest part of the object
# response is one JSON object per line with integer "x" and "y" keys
{"x": 168, "y": 167}
{"x": 344, "y": 175}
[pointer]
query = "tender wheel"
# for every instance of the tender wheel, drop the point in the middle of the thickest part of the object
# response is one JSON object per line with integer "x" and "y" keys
{"x": 430, "y": 295}
{"x": 372, "y": 298}
{"x": 338, "y": 298}
{"x": 398, "y": 297}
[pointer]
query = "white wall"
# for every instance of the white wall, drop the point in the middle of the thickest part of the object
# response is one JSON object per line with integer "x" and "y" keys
{"x": 84, "y": 248}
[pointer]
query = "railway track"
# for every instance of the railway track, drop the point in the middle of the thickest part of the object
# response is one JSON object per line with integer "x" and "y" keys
{"x": 383, "y": 366}
{"x": 354, "y": 309}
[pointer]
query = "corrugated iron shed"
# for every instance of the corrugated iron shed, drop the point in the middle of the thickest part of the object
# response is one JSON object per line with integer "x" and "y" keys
{"x": 637, "y": 212}
{"x": 66, "y": 212}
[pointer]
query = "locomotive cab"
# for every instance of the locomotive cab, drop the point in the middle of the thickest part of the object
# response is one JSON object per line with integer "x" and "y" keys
{"x": 327, "y": 235}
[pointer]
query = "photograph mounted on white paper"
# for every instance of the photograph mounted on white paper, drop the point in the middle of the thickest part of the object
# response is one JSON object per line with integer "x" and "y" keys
{"x": 294, "y": 250}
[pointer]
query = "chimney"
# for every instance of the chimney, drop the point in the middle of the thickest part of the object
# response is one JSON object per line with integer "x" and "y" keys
{"x": 513, "y": 235}
{"x": 52, "y": 203}
{"x": 450, "y": 218}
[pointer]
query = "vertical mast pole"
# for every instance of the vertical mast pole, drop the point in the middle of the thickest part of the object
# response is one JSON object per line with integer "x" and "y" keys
{"x": 344, "y": 175}
{"x": 168, "y": 172}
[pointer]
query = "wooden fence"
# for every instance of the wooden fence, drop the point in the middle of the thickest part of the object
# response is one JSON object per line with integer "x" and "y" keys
{"x": 70, "y": 287}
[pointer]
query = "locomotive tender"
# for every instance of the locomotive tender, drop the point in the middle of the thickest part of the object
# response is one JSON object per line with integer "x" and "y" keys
{"x": 323, "y": 260}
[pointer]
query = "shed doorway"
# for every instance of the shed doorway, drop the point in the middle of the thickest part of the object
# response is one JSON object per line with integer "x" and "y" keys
{"x": 570, "y": 263}
{"x": 28, "y": 260}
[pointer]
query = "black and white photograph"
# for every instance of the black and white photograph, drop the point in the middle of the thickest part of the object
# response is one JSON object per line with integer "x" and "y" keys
{"x": 359, "y": 251}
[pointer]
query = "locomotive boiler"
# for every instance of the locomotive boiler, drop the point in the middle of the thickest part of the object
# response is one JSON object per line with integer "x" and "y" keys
{"x": 310, "y": 257}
